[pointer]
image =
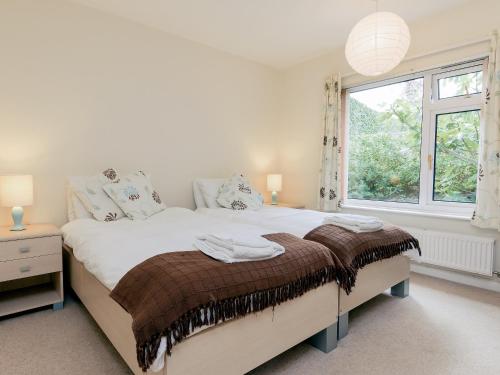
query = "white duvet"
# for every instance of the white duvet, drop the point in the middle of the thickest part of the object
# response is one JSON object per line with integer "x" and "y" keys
{"x": 275, "y": 219}
{"x": 109, "y": 250}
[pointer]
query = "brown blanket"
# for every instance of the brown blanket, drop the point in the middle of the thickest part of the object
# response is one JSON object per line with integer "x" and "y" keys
{"x": 171, "y": 294}
{"x": 356, "y": 250}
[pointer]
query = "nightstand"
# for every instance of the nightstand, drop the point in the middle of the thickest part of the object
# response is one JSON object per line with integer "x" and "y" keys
{"x": 30, "y": 268}
{"x": 289, "y": 205}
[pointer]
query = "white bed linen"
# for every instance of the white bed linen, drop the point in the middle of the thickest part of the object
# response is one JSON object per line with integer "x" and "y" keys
{"x": 275, "y": 219}
{"x": 75, "y": 207}
{"x": 109, "y": 250}
{"x": 198, "y": 197}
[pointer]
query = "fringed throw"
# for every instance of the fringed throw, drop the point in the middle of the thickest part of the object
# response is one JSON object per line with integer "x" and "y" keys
{"x": 171, "y": 294}
{"x": 356, "y": 250}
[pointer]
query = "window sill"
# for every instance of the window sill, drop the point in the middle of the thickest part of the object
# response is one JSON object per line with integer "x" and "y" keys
{"x": 436, "y": 215}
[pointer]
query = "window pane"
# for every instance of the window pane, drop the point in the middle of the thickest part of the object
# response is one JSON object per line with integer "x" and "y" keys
{"x": 385, "y": 127}
{"x": 457, "y": 142}
{"x": 464, "y": 84}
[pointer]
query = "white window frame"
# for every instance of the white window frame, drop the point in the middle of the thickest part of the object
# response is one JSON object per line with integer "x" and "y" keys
{"x": 432, "y": 106}
{"x": 463, "y": 69}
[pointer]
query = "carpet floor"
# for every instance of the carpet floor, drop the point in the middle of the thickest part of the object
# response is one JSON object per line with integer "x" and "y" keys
{"x": 442, "y": 328}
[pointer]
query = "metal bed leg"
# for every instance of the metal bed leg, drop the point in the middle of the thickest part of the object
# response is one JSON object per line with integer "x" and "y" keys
{"x": 343, "y": 324}
{"x": 326, "y": 339}
{"x": 401, "y": 289}
{"x": 57, "y": 306}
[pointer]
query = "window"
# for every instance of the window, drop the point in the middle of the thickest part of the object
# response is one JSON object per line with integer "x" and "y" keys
{"x": 455, "y": 165}
{"x": 412, "y": 142}
{"x": 460, "y": 85}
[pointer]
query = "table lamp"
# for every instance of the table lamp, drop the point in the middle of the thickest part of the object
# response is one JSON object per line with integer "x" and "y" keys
{"x": 16, "y": 192}
{"x": 274, "y": 185}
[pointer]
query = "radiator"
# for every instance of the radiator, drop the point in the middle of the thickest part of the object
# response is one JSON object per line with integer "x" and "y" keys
{"x": 465, "y": 253}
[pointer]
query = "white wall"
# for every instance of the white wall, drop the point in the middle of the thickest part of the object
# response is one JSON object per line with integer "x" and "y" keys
{"x": 81, "y": 90}
{"x": 301, "y": 131}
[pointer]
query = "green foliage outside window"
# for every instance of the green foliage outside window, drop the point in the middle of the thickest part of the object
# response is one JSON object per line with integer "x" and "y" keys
{"x": 384, "y": 150}
{"x": 457, "y": 142}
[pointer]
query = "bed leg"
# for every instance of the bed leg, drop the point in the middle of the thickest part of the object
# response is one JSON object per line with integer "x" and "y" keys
{"x": 401, "y": 289}
{"x": 57, "y": 306}
{"x": 326, "y": 339}
{"x": 343, "y": 325}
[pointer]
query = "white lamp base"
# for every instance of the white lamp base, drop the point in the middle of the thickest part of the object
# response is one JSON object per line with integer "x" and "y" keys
{"x": 17, "y": 217}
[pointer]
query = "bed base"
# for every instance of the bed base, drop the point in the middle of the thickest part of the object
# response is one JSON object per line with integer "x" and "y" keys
{"x": 372, "y": 280}
{"x": 233, "y": 347}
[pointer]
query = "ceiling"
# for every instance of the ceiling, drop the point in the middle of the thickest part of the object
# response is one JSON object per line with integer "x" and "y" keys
{"x": 279, "y": 33}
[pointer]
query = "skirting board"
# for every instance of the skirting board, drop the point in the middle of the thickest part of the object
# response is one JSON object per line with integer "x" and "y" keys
{"x": 457, "y": 277}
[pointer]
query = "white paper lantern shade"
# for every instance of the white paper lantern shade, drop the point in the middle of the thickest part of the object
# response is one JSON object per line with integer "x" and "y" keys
{"x": 377, "y": 43}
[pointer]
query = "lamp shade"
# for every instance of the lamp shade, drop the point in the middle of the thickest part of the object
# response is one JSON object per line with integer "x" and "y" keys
{"x": 377, "y": 43}
{"x": 16, "y": 191}
{"x": 273, "y": 182}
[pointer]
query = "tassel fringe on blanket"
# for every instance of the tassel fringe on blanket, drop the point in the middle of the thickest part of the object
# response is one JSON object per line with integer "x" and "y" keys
{"x": 220, "y": 311}
{"x": 385, "y": 252}
{"x": 379, "y": 253}
{"x": 357, "y": 250}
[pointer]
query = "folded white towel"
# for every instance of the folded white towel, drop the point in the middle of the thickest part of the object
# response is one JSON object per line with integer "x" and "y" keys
{"x": 355, "y": 223}
{"x": 238, "y": 248}
{"x": 229, "y": 241}
{"x": 356, "y": 229}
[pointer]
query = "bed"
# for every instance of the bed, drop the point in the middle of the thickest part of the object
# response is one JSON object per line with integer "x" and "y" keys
{"x": 98, "y": 254}
{"x": 372, "y": 280}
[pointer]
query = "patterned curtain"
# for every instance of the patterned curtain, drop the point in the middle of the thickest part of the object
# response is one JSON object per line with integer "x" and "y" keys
{"x": 487, "y": 212}
{"x": 330, "y": 187}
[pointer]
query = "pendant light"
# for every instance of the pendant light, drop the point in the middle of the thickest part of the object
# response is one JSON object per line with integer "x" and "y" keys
{"x": 377, "y": 43}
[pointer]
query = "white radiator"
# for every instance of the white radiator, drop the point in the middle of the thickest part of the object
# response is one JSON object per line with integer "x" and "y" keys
{"x": 466, "y": 253}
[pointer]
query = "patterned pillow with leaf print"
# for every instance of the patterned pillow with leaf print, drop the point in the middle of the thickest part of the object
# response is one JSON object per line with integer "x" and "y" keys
{"x": 90, "y": 192}
{"x": 136, "y": 196}
{"x": 237, "y": 193}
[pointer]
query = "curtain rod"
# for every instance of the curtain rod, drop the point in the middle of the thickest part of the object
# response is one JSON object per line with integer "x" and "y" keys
{"x": 433, "y": 52}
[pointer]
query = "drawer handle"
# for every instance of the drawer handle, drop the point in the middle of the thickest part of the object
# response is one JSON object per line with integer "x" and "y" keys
{"x": 24, "y": 250}
{"x": 25, "y": 268}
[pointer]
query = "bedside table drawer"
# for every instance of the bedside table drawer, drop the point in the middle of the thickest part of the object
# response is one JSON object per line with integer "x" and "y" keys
{"x": 21, "y": 268}
{"x": 30, "y": 247}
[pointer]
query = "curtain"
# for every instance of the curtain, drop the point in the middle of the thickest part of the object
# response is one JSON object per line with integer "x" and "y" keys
{"x": 487, "y": 212}
{"x": 330, "y": 184}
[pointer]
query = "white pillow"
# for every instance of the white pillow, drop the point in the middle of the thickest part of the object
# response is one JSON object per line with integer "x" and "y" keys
{"x": 76, "y": 209}
{"x": 238, "y": 194}
{"x": 89, "y": 191}
{"x": 79, "y": 209}
{"x": 198, "y": 197}
{"x": 69, "y": 204}
{"x": 135, "y": 195}
{"x": 209, "y": 188}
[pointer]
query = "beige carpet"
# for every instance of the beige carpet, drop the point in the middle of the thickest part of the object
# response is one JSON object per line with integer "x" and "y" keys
{"x": 442, "y": 328}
